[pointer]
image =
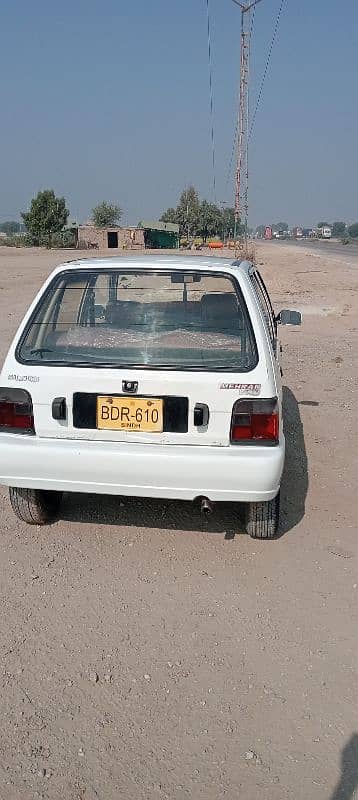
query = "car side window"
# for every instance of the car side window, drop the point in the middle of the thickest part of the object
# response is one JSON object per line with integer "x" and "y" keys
{"x": 266, "y": 306}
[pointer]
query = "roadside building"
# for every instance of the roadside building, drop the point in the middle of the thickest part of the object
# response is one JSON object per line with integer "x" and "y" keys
{"x": 114, "y": 238}
{"x": 160, "y": 235}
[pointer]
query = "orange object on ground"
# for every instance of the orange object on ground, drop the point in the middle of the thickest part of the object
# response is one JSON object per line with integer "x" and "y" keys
{"x": 215, "y": 245}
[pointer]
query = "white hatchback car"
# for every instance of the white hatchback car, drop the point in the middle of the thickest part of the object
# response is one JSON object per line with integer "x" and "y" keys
{"x": 146, "y": 376}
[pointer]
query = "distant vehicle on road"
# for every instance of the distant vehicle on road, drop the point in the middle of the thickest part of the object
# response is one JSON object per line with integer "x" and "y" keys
{"x": 297, "y": 233}
{"x": 325, "y": 232}
{"x": 268, "y": 232}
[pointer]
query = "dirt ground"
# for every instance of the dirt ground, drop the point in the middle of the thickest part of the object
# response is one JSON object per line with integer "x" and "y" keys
{"x": 148, "y": 654}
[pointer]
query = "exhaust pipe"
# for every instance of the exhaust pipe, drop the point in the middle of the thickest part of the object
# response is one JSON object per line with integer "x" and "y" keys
{"x": 206, "y": 507}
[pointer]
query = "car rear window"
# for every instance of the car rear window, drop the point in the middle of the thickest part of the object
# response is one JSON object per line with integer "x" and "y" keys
{"x": 143, "y": 319}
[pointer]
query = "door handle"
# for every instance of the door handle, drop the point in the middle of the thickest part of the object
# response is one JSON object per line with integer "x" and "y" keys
{"x": 59, "y": 408}
{"x": 201, "y": 415}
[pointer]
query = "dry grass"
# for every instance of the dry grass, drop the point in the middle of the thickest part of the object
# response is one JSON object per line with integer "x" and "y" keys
{"x": 246, "y": 249}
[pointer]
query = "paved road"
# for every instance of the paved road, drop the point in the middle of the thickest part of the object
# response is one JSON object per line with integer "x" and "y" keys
{"x": 326, "y": 248}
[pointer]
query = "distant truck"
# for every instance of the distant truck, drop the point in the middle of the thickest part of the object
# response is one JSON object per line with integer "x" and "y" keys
{"x": 268, "y": 232}
{"x": 325, "y": 232}
{"x": 297, "y": 233}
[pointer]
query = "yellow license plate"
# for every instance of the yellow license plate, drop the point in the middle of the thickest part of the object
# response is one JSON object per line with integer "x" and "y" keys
{"x": 129, "y": 414}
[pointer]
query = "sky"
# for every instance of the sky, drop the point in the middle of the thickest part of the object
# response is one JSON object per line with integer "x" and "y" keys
{"x": 110, "y": 101}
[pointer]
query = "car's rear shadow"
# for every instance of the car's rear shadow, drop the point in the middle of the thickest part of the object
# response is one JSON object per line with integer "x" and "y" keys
{"x": 294, "y": 484}
{"x": 227, "y": 518}
{"x": 136, "y": 512}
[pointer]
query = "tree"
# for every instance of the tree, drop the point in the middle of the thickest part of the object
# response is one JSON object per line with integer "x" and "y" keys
{"x": 353, "y": 230}
{"x": 188, "y": 212}
{"x": 10, "y": 227}
{"x": 210, "y": 220}
{"x": 338, "y": 229}
{"x": 48, "y": 215}
{"x": 260, "y": 230}
{"x": 105, "y": 215}
{"x": 201, "y": 217}
{"x": 228, "y": 217}
{"x": 170, "y": 215}
{"x": 323, "y": 225}
{"x": 280, "y": 226}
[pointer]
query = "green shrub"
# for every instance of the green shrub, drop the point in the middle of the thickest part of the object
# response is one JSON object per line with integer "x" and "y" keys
{"x": 65, "y": 239}
{"x": 353, "y": 230}
{"x": 18, "y": 240}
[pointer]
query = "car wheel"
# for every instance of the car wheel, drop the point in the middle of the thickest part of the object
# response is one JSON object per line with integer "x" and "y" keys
{"x": 35, "y": 506}
{"x": 262, "y": 519}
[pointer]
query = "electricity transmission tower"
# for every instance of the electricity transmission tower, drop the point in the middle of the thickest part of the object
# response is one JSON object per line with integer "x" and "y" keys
{"x": 242, "y": 164}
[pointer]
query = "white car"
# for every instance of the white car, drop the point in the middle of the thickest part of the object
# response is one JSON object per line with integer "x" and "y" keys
{"x": 146, "y": 376}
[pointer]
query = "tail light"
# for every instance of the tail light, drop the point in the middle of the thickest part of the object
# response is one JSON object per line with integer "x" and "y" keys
{"x": 255, "y": 422}
{"x": 16, "y": 413}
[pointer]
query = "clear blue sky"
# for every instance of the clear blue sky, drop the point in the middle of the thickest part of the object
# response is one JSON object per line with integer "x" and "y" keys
{"x": 110, "y": 101}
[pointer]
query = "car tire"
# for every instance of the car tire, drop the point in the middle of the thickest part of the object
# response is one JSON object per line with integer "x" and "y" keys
{"x": 262, "y": 519}
{"x": 35, "y": 506}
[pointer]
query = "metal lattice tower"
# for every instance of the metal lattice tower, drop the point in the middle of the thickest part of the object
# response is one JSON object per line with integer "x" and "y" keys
{"x": 242, "y": 164}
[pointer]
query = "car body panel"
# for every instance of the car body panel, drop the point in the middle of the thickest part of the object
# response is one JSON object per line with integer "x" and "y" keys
{"x": 144, "y": 470}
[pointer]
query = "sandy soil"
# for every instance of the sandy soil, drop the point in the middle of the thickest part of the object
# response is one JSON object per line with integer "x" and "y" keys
{"x": 146, "y": 653}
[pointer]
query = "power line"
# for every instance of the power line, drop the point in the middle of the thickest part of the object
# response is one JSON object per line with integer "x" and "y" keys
{"x": 211, "y": 101}
{"x": 259, "y": 97}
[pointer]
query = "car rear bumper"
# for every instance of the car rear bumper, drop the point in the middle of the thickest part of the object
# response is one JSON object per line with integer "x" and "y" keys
{"x": 238, "y": 473}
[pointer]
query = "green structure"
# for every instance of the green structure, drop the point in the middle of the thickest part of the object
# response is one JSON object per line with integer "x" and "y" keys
{"x": 160, "y": 235}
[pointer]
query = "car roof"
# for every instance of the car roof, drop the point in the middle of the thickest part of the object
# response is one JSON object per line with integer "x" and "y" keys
{"x": 160, "y": 262}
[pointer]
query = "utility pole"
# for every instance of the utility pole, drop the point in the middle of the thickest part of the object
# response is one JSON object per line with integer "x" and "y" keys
{"x": 242, "y": 165}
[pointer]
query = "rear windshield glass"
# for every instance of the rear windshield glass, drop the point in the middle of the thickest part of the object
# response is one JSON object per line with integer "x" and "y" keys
{"x": 141, "y": 319}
